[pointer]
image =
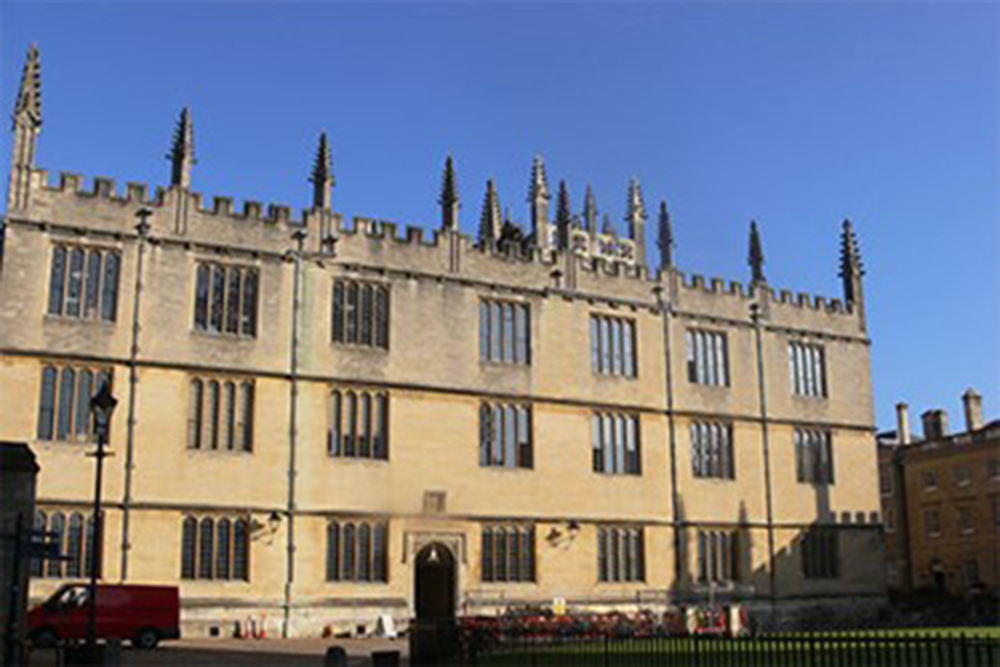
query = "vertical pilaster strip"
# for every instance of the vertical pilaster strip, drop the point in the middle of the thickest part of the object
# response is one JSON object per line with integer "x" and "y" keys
{"x": 666, "y": 311}
{"x": 293, "y": 430}
{"x": 756, "y": 316}
{"x": 454, "y": 251}
{"x": 142, "y": 230}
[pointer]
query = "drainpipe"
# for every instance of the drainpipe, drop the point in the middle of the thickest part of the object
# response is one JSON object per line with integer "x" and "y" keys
{"x": 133, "y": 385}
{"x": 666, "y": 310}
{"x": 755, "y": 316}
{"x": 293, "y": 430}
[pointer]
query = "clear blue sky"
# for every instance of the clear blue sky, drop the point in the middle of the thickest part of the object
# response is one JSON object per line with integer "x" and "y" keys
{"x": 796, "y": 114}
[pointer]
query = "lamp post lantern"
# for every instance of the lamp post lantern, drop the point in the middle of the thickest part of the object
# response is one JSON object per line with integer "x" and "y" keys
{"x": 102, "y": 406}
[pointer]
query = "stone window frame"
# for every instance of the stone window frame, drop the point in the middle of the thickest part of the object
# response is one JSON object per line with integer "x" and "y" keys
{"x": 72, "y": 536}
{"x": 504, "y": 332}
{"x": 220, "y": 553}
{"x": 614, "y": 342}
{"x": 225, "y": 316}
{"x": 717, "y": 557}
{"x": 364, "y": 320}
{"x": 807, "y": 370}
{"x": 932, "y": 523}
{"x": 889, "y": 520}
{"x": 970, "y": 571}
{"x": 506, "y": 435}
{"x": 355, "y": 431}
{"x": 714, "y": 456}
{"x": 707, "y": 357}
{"x": 63, "y": 407}
{"x": 357, "y": 551}
{"x": 962, "y": 476}
{"x": 621, "y": 554}
{"x": 224, "y": 423}
{"x": 814, "y": 456}
{"x": 94, "y": 301}
{"x": 929, "y": 481}
{"x": 616, "y": 443}
{"x": 508, "y": 553}
{"x": 965, "y": 520}
{"x": 885, "y": 482}
{"x": 993, "y": 469}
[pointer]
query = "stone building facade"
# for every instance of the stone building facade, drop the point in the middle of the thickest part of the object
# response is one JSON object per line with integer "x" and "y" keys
{"x": 312, "y": 410}
{"x": 941, "y": 502}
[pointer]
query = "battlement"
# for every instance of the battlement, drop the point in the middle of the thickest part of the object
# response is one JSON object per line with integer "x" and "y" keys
{"x": 714, "y": 285}
{"x": 72, "y": 184}
{"x": 806, "y": 301}
{"x": 386, "y": 230}
{"x": 799, "y": 301}
{"x": 435, "y": 246}
{"x": 223, "y": 207}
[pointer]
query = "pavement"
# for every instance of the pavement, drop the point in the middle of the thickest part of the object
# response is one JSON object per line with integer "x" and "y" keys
{"x": 222, "y": 652}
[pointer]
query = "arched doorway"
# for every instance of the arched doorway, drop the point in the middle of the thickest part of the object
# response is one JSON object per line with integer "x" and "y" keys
{"x": 433, "y": 636}
{"x": 434, "y": 583}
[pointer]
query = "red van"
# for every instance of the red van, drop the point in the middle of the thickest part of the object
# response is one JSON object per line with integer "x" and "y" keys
{"x": 142, "y": 614}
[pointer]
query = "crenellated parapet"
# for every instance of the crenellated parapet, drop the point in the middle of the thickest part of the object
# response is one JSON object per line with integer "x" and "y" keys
{"x": 267, "y": 227}
{"x": 100, "y": 205}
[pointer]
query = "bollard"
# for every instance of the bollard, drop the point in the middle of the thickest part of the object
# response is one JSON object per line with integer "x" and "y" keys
{"x": 113, "y": 653}
{"x": 336, "y": 656}
{"x": 84, "y": 655}
{"x": 385, "y": 659}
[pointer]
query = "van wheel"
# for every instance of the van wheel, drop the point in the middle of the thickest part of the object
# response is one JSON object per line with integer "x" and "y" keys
{"x": 44, "y": 638}
{"x": 147, "y": 638}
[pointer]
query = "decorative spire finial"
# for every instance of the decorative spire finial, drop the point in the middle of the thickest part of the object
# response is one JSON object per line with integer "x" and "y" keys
{"x": 182, "y": 151}
{"x": 756, "y": 256}
{"x": 490, "y": 222}
{"x": 26, "y": 128}
{"x": 636, "y": 220}
{"x": 665, "y": 237}
{"x": 851, "y": 267}
{"x": 322, "y": 174}
{"x": 449, "y": 196}
{"x": 590, "y": 211}
{"x": 29, "y": 98}
{"x": 564, "y": 216}
{"x": 538, "y": 199}
{"x": 539, "y": 188}
{"x": 636, "y": 208}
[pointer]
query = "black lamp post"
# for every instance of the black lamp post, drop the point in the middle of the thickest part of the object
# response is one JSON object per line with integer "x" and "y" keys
{"x": 102, "y": 406}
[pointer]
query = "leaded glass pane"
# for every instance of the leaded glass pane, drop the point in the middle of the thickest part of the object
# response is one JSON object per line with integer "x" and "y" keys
{"x": 67, "y": 386}
{"x": 109, "y": 288}
{"x": 75, "y": 290}
{"x": 46, "y": 403}
{"x": 57, "y": 280}
{"x": 93, "y": 284}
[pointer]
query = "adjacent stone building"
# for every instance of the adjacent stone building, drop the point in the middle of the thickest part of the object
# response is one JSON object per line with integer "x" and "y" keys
{"x": 321, "y": 421}
{"x": 941, "y": 502}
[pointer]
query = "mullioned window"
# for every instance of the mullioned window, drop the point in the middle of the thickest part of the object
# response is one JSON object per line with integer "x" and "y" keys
{"x": 83, "y": 283}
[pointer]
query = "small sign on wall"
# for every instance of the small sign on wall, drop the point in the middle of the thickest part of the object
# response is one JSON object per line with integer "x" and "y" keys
{"x": 559, "y": 606}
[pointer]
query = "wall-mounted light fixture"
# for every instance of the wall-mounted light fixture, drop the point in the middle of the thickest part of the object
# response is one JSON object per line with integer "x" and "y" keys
{"x": 259, "y": 529}
{"x": 558, "y": 537}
